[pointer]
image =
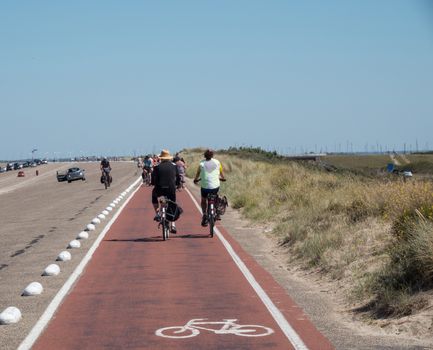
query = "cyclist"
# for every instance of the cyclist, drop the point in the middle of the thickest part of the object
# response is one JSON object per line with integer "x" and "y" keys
{"x": 147, "y": 166}
{"x": 181, "y": 166}
{"x": 106, "y": 168}
{"x": 165, "y": 178}
{"x": 139, "y": 162}
{"x": 209, "y": 173}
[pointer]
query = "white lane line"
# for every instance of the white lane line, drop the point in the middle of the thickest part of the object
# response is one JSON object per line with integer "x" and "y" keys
{"x": 52, "y": 307}
{"x": 285, "y": 326}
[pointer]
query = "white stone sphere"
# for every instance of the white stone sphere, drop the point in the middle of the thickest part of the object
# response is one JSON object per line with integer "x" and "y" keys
{"x": 64, "y": 256}
{"x": 10, "y": 315}
{"x": 34, "y": 288}
{"x": 105, "y": 212}
{"x": 74, "y": 244}
{"x": 51, "y": 270}
{"x": 90, "y": 227}
{"x": 83, "y": 235}
{"x": 96, "y": 221}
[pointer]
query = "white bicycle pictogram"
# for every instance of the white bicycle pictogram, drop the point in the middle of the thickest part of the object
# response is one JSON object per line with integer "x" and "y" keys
{"x": 228, "y": 326}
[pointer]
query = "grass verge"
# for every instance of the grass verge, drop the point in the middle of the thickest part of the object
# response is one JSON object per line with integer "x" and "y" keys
{"x": 373, "y": 233}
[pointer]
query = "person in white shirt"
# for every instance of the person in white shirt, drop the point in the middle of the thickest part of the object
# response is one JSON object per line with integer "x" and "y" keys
{"x": 209, "y": 173}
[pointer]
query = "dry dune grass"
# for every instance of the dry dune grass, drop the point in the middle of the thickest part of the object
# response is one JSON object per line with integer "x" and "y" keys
{"x": 375, "y": 235}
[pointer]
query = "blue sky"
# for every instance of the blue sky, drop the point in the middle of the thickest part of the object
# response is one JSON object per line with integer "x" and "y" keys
{"x": 124, "y": 77}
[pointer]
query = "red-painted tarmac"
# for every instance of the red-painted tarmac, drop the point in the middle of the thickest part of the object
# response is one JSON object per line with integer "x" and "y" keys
{"x": 137, "y": 284}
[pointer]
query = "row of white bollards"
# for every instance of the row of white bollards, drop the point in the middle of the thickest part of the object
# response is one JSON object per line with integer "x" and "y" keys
{"x": 12, "y": 314}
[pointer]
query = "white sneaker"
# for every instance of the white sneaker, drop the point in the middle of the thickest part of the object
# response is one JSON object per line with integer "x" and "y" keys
{"x": 173, "y": 228}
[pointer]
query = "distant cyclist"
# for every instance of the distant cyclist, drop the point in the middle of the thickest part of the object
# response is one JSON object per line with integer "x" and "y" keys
{"x": 209, "y": 173}
{"x": 139, "y": 162}
{"x": 181, "y": 167}
{"x": 147, "y": 167}
{"x": 106, "y": 168}
{"x": 165, "y": 178}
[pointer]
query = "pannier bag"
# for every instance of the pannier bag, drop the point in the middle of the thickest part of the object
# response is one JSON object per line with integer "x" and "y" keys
{"x": 173, "y": 211}
{"x": 102, "y": 179}
{"x": 221, "y": 205}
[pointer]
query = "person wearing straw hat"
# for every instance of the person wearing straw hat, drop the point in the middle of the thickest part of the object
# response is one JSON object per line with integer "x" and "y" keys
{"x": 165, "y": 179}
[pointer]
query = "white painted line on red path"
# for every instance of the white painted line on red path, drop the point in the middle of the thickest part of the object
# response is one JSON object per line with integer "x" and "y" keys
{"x": 285, "y": 326}
{"x": 52, "y": 307}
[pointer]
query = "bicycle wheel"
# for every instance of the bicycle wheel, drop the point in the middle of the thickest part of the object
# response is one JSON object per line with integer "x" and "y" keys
{"x": 105, "y": 181}
{"x": 211, "y": 223}
{"x": 167, "y": 229}
{"x": 163, "y": 229}
{"x": 177, "y": 332}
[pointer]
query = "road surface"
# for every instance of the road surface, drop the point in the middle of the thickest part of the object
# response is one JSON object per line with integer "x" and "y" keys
{"x": 139, "y": 292}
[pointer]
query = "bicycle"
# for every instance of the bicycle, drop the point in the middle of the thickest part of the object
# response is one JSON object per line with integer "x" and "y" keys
{"x": 228, "y": 326}
{"x": 106, "y": 178}
{"x": 163, "y": 222}
{"x": 146, "y": 175}
{"x": 211, "y": 212}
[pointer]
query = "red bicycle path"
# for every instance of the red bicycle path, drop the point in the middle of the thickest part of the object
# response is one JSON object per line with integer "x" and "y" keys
{"x": 136, "y": 283}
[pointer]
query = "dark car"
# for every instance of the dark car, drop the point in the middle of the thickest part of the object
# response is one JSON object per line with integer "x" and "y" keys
{"x": 9, "y": 166}
{"x": 71, "y": 174}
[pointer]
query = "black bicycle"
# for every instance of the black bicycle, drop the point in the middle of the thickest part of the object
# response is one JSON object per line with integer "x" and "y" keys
{"x": 146, "y": 176}
{"x": 213, "y": 208}
{"x": 211, "y": 211}
{"x": 164, "y": 223}
{"x": 106, "y": 178}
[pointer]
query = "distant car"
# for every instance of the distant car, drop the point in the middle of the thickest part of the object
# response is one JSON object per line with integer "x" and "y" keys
{"x": 9, "y": 166}
{"x": 44, "y": 161}
{"x": 17, "y": 166}
{"x": 71, "y": 174}
{"x": 2, "y": 169}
